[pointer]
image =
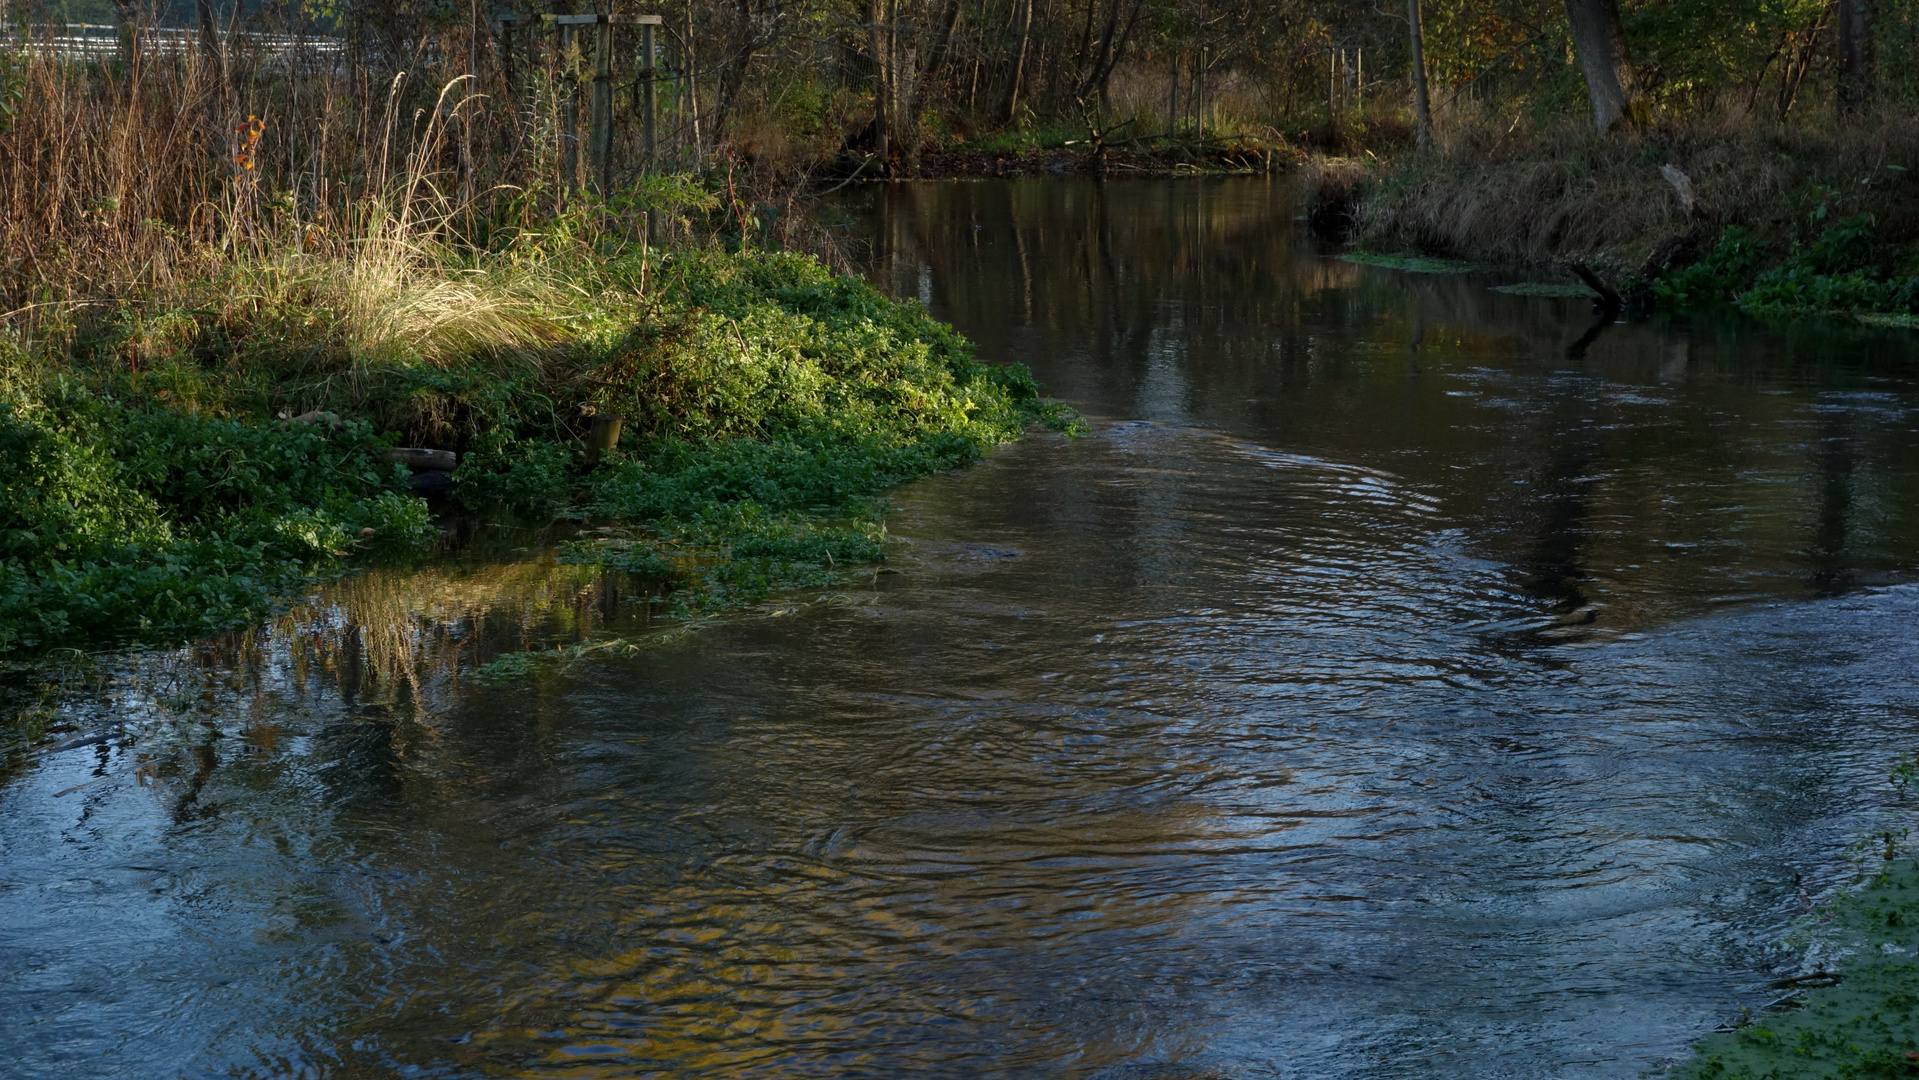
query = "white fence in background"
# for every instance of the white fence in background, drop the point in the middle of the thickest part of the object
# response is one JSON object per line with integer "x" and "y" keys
{"x": 101, "y": 41}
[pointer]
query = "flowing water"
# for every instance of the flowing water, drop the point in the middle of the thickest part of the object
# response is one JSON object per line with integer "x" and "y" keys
{"x": 1403, "y": 679}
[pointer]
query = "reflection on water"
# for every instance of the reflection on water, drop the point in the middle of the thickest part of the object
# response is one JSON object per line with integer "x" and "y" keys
{"x": 1632, "y": 477}
{"x": 1338, "y": 708}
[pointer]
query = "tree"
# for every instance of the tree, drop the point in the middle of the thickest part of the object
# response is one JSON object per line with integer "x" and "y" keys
{"x": 1600, "y": 40}
{"x": 1855, "y": 53}
{"x": 1422, "y": 99}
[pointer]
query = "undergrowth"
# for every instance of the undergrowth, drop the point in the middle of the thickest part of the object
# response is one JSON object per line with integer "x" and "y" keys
{"x": 119, "y": 522}
{"x": 1815, "y": 216}
{"x": 1864, "y": 1027}
{"x": 155, "y": 493}
{"x": 1846, "y": 268}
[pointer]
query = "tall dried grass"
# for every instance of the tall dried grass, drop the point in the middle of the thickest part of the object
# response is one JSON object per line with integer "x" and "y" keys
{"x": 307, "y": 201}
{"x": 1501, "y": 189}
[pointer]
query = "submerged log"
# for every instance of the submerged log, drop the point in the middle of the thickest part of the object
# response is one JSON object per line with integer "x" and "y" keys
{"x": 1608, "y": 297}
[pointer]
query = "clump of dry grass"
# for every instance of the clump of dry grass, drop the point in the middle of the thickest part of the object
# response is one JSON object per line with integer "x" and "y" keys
{"x": 323, "y": 238}
{"x": 1507, "y": 192}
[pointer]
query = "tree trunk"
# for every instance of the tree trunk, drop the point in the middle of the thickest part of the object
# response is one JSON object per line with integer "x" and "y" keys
{"x": 1855, "y": 54}
{"x": 1112, "y": 49}
{"x": 1019, "y": 60}
{"x": 1610, "y": 81}
{"x": 879, "y": 38}
{"x": 1422, "y": 96}
{"x": 921, "y": 83}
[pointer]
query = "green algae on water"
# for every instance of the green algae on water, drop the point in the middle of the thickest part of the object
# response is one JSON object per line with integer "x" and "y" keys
{"x": 1555, "y": 290}
{"x": 1414, "y": 264}
{"x": 1866, "y": 1026}
{"x": 1889, "y": 321}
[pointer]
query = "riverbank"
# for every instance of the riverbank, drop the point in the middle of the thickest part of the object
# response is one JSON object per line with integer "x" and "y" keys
{"x": 1855, "y": 1018}
{"x": 183, "y": 461}
{"x": 1779, "y": 220}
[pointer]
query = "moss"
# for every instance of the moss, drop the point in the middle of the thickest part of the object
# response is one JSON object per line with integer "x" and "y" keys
{"x": 1547, "y": 289}
{"x": 1416, "y": 264}
{"x": 1866, "y": 1026}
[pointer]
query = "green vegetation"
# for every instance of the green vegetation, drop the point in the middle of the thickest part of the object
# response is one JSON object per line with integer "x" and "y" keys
{"x": 1866, "y": 1026}
{"x": 1416, "y": 264}
{"x": 767, "y": 400}
{"x": 422, "y": 271}
{"x": 1556, "y": 290}
{"x": 1845, "y": 269}
{"x": 125, "y": 521}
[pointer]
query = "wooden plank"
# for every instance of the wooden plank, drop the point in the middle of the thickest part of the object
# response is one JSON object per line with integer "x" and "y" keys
{"x": 597, "y": 20}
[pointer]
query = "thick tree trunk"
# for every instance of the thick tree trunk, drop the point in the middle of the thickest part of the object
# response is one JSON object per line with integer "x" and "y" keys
{"x": 1855, "y": 53}
{"x": 1422, "y": 96}
{"x": 1610, "y": 81}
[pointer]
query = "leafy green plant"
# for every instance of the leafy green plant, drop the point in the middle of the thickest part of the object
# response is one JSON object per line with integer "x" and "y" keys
{"x": 523, "y": 475}
{"x": 13, "y": 85}
{"x": 1727, "y": 270}
{"x": 1844, "y": 269}
{"x": 778, "y": 411}
{"x": 126, "y": 523}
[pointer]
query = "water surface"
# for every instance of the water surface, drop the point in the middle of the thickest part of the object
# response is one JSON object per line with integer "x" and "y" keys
{"x": 1401, "y": 680}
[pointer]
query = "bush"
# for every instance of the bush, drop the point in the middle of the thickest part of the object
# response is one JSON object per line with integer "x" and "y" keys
{"x": 123, "y": 523}
{"x": 780, "y": 407}
{"x": 1846, "y": 268}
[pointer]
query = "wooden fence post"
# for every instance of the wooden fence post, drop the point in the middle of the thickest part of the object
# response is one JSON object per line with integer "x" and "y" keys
{"x": 599, "y": 139}
{"x": 570, "y": 109}
{"x": 602, "y": 134}
{"x": 509, "y": 31}
{"x": 649, "y": 76}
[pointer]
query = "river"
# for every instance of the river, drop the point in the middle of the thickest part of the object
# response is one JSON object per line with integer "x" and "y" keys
{"x": 1401, "y": 679}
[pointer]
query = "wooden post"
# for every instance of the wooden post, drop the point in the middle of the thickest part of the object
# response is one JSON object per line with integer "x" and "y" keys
{"x": 601, "y": 436}
{"x": 570, "y": 106}
{"x": 509, "y": 30}
{"x": 1332, "y": 90}
{"x": 602, "y": 133}
{"x": 129, "y": 39}
{"x": 649, "y": 75}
